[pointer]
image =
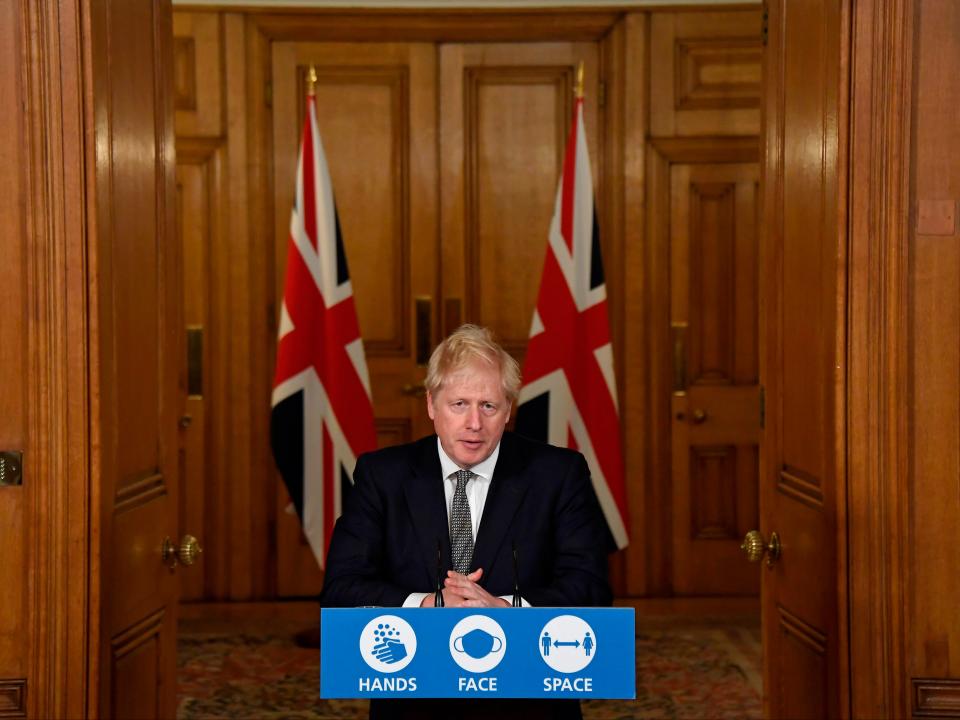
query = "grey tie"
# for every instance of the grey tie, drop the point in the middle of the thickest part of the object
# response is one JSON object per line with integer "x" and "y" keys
{"x": 461, "y": 527}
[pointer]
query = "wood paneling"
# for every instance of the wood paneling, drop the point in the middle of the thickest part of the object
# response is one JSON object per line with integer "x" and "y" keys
{"x": 933, "y": 641}
{"x": 506, "y": 112}
{"x": 13, "y": 698}
{"x": 136, "y": 347}
{"x": 705, "y": 70}
{"x": 803, "y": 357}
{"x": 13, "y": 362}
{"x": 879, "y": 442}
{"x": 198, "y": 74}
{"x": 45, "y": 215}
{"x": 703, "y": 331}
{"x": 204, "y": 447}
{"x": 933, "y": 697}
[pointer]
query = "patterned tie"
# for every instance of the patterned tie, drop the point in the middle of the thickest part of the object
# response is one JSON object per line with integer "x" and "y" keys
{"x": 461, "y": 527}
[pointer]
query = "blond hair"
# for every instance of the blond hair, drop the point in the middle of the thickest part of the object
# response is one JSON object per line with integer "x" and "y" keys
{"x": 467, "y": 344}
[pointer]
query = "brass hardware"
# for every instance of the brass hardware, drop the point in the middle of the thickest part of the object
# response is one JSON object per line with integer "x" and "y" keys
{"x": 195, "y": 360}
{"x": 578, "y": 83}
{"x": 186, "y": 554}
{"x": 414, "y": 390}
{"x": 11, "y": 467}
{"x": 168, "y": 553}
{"x": 189, "y": 550}
{"x": 754, "y": 547}
{"x": 423, "y": 310}
{"x": 185, "y": 421}
{"x": 679, "y": 333}
{"x": 699, "y": 417}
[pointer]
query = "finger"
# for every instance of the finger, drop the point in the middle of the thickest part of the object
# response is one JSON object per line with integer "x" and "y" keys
{"x": 475, "y": 575}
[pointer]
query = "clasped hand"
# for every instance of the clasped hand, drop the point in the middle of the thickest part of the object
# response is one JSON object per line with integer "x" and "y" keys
{"x": 463, "y": 591}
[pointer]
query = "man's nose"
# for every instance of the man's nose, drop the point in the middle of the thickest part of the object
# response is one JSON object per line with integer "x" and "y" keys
{"x": 473, "y": 418}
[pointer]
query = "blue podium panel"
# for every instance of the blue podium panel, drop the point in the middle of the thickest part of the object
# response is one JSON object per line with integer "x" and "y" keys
{"x": 496, "y": 653}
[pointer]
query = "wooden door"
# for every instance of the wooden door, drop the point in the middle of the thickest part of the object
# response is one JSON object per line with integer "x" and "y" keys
{"x": 135, "y": 348}
{"x": 716, "y": 399}
{"x": 376, "y": 106}
{"x": 803, "y": 311}
{"x": 505, "y": 114}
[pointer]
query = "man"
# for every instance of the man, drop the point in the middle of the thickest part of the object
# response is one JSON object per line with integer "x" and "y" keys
{"x": 477, "y": 493}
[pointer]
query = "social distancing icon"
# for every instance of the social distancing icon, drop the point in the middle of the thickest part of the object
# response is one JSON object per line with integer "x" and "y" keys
{"x": 567, "y": 644}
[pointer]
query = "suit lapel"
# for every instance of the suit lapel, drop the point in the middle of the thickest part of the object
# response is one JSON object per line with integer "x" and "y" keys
{"x": 503, "y": 499}
{"x": 428, "y": 507}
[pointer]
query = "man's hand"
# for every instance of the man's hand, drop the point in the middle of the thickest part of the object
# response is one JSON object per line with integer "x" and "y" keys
{"x": 464, "y": 591}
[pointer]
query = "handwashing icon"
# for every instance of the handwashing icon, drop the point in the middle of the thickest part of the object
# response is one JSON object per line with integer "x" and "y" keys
{"x": 478, "y": 643}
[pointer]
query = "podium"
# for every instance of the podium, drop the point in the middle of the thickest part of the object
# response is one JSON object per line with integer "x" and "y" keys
{"x": 545, "y": 653}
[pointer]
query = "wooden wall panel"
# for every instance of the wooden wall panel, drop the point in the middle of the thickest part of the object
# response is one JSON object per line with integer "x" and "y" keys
{"x": 934, "y": 638}
{"x": 715, "y": 408}
{"x": 506, "y": 114}
{"x": 705, "y": 72}
{"x": 198, "y": 74}
{"x": 13, "y": 355}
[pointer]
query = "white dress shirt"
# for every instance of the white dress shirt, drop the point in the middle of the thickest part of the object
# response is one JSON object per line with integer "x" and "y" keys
{"x": 476, "y": 491}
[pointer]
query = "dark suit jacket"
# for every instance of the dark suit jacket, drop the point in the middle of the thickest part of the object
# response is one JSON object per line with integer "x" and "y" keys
{"x": 384, "y": 546}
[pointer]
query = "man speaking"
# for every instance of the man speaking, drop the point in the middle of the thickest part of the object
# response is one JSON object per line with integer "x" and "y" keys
{"x": 479, "y": 495}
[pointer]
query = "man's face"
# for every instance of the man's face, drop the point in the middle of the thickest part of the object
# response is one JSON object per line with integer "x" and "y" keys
{"x": 469, "y": 413}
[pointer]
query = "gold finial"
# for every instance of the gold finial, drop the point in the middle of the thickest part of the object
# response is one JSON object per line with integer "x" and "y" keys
{"x": 311, "y": 81}
{"x": 578, "y": 86}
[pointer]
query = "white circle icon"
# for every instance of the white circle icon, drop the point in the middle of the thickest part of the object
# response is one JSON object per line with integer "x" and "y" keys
{"x": 478, "y": 643}
{"x": 388, "y": 643}
{"x": 567, "y": 644}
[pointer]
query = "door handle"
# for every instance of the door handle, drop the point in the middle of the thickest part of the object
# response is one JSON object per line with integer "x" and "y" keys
{"x": 186, "y": 554}
{"x": 755, "y": 547}
{"x": 698, "y": 417}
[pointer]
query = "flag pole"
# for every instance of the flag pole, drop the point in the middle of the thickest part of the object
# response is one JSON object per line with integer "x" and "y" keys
{"x": 311, "y": 81}
{"x": 578, "y": 85}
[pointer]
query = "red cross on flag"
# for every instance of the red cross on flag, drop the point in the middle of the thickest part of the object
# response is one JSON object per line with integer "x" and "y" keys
{"x": 322, "y": 417}
{"x": 569, "y": 395}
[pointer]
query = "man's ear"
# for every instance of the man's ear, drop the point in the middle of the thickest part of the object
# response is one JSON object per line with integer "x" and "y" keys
{"x": 430, "y": 410}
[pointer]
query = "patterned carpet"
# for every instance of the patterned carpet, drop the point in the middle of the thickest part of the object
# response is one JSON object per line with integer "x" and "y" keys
{"x": 248, "y": 668}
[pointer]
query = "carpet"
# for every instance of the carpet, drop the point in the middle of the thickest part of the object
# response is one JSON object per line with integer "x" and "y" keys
{"x": 686, "y": 668}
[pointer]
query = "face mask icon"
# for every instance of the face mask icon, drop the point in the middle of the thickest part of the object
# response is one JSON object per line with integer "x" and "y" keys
{"x": 478, "y": 643}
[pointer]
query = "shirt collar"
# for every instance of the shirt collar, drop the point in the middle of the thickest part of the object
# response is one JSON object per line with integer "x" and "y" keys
{"x": 482, "y": 469}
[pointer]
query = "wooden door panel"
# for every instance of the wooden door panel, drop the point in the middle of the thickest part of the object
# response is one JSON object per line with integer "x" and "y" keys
{"x": 376, "y": 107}
{"x": 803, "y": 296}
{"x": 716, "y": 402}
{"x": 137, "y": 659}
{"x": 202, "y": 485}
{"x": 135, "y": 399}
{"x": 505, "y": 113}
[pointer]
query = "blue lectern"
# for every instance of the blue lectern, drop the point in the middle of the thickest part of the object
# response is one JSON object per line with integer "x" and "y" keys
{"x": 551, "y": 653}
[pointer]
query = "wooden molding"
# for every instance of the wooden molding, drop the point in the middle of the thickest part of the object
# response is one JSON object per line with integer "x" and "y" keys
{"x": 715, "y": 149}
{"x": 936, "y": 697}
{"x": 184, "y": 74}
{"x": 462, "y": 25}
{"x": 13, "y": 698}
{"x": 878, "y": 516}
{"x": 703, "y": 78}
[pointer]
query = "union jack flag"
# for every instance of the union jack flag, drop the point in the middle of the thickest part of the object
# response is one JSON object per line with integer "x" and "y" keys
{"x": 322, "y": 417}
{"x": 569, "y": 396}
